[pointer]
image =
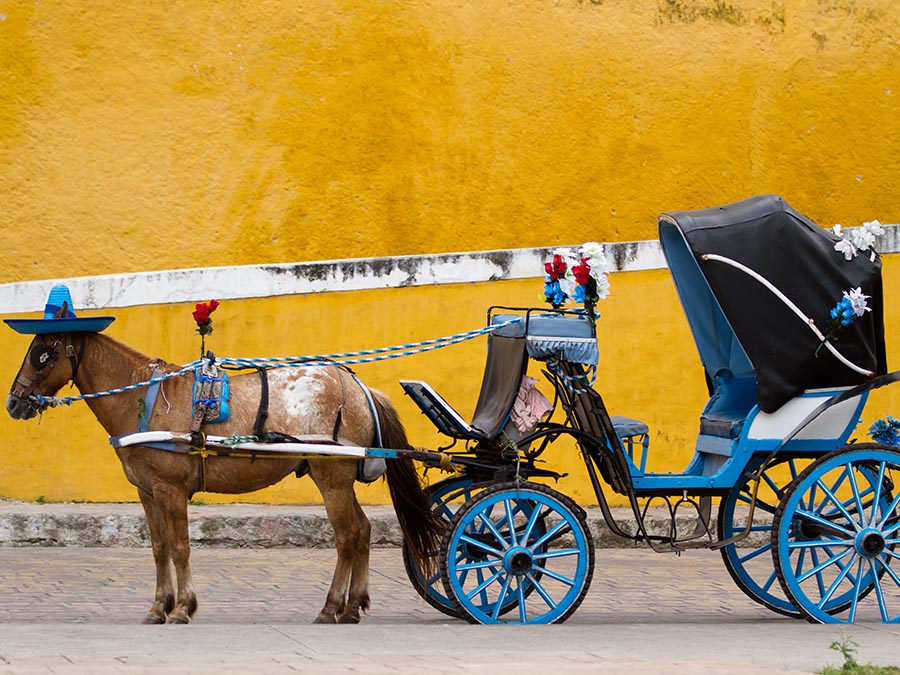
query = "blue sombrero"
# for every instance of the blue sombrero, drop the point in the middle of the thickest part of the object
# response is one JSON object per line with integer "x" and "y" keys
{"x": 59, "y": 296}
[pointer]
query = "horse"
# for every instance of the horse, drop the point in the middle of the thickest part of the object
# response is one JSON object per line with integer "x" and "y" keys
{"x": 312, "y": 401}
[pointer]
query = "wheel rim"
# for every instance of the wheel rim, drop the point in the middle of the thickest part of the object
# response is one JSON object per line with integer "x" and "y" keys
{"x": 836, "y": 532}
{"x": 545, "y": 572}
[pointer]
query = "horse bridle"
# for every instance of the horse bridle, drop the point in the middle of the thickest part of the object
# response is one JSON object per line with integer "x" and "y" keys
{"x": 44, "y": 360}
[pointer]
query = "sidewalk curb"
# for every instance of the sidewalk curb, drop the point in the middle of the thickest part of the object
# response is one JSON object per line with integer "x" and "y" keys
{"x": 235, "y": 525}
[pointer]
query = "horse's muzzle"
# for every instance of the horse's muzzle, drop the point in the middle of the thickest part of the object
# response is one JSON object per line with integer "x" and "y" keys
{"x": 20, "y": 409}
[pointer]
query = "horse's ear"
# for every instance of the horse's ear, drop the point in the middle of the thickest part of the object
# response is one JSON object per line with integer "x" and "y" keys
{"x": 62, "y": 312}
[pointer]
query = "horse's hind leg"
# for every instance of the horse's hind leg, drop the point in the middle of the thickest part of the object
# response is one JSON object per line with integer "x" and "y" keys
{"x": 164, "y": 598}
{"x": 358, "y": 596}
{"x": 335, "y": 482}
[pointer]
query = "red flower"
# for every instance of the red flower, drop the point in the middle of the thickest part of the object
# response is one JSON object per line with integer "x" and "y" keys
{"x": 556, "y": 270}
{"x": 202, "y": 311}
{"x": 582, "y": 272}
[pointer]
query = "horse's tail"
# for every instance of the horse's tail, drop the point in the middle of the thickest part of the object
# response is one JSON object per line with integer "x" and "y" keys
{"x": 422, "y": 528}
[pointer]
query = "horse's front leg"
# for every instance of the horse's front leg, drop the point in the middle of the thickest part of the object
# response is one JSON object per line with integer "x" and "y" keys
{"x": 164, "y": 598}
{"x": 335, "y": 479}
{"x": 172, "y": 503}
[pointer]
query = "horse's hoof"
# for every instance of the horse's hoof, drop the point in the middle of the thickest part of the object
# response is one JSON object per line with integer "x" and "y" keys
{"x": 325, "y": 618}
{"x": 178, "y": 617}
{"x": 153, "y": 619}
{"x": 349, "y": 617}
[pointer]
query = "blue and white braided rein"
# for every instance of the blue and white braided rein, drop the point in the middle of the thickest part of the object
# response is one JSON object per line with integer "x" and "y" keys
{"x": 345, "y": 358}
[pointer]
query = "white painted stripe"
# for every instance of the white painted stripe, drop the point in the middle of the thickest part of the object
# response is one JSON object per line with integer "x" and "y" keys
{"x": 260, "y": 281}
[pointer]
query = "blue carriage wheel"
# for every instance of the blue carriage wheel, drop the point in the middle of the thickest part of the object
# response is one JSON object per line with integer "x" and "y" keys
{"x": 835, "y": 534}
{"x": 446, "y": 496}
{"x": 749, "y": 562}
{"x": 530, "y": 543}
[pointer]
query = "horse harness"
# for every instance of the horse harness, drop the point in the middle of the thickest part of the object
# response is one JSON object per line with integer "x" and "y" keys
{"x": 43, "y": 358}
{"x": 209, "y": 394}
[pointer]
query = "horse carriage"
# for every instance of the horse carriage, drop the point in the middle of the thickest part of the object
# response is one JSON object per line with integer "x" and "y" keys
{"x": 807, "y": 520}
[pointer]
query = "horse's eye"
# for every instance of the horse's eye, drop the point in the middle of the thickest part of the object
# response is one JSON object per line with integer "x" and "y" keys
{"x": 39, "y": 357}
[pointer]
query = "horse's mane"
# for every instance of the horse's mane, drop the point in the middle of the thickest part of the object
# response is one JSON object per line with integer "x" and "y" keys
{"x": 129, "y": 353}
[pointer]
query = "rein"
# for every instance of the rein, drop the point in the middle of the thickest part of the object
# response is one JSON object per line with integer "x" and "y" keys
{"x": 345, "y": 358}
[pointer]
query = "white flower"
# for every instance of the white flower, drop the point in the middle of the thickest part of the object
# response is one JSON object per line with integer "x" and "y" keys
{"x": 874, "y": 227}
{"x": 863, "y": 238}
{"x": 567, "y": 284}
{"x": 858, "y": 301}
{"x": 592, "y": 249}
{"x": 602, "y": 286}
{"x": 846, "y": 247}
{"x": 860, "y": 239}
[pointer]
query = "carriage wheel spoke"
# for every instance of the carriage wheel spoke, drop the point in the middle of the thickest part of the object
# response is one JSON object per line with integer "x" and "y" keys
{"x": 501, "y": 599}
{"x": 837, "y": 582}
{"x": 879, "y": 593}
{"x": 840, "y": 507}
{"x": 532, "y": 522}
{"x": 854, "y": 489}
{"x": 818, "y": 567}
{"x": 492, "y": 528}
{"x": 756, "y": 552}
{"x": 481, "y": 545}
{"x": 555, "y": 575}
{"x": 771, "y": 580}
{"x": 480, "y": 588}
{"x": 889, "y": 513}
{"x": 776, "y": 489}
{"x": 511, "y": 522}
{"x": 820, "y": 583}
{"x": 541, "y": 591}
{"x": 523, "y": 616}
{"x": 553, "y": 533}
{"x": 857, "y": 591}
{"x": 490, "y": 565}
{"x": 824, "y": 522}
{"x": 879, "y": 484}
{"x": 760, "y": 504}
{"x": 556, "y": 553}
{"x": 798, "y": 567}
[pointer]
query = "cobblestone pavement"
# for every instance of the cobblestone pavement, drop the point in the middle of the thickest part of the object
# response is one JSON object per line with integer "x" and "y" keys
{"x": 75, "y": 610}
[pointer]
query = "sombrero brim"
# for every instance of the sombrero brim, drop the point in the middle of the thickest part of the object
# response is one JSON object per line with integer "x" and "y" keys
{"x": 88, "y": 324}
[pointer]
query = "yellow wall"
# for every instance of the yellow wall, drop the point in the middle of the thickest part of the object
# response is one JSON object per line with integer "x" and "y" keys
{"x": 648, "y": 369}
{"x": 137, "y": 136}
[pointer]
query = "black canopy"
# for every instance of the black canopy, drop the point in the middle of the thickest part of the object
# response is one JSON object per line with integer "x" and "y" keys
{"x": 742, "y": 327}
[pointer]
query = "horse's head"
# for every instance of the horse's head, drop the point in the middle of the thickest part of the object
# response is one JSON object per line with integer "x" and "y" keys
{"x": 43, "y": 373}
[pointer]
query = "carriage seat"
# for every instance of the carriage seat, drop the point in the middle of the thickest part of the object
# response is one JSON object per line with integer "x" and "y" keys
{"x": 504, "y": 368}
{"x": 723, "y": 423}
{"x": 635, "y": 438}
{"x": 442, "y": 415}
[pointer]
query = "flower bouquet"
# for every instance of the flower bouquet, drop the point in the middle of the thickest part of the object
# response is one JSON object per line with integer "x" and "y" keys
{"x": 580, "y": 276}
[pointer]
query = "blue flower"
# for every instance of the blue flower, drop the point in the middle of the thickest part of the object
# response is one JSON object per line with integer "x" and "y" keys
{"x": 843, "y": 312}
{"x": 886, "y": 431}
{"x": 579, "y": 293}
{"x": 554, "y": 294}
{"x": 852, "y": 305}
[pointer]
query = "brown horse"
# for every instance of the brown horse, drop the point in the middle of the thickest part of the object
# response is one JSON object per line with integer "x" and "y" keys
{"x": 306, "y": 401}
